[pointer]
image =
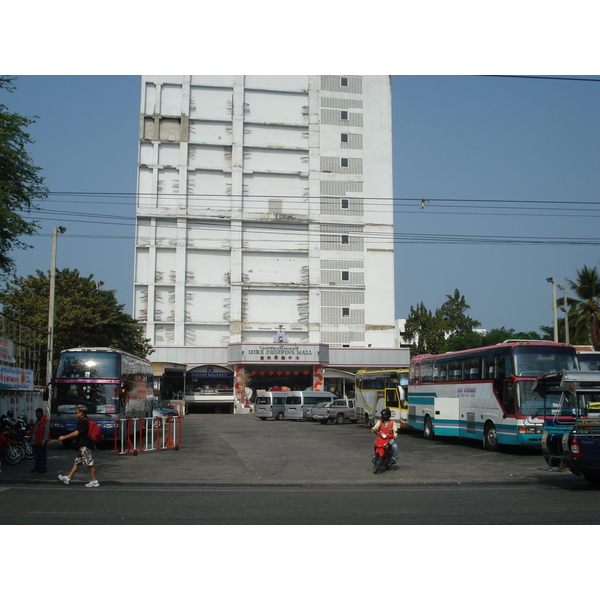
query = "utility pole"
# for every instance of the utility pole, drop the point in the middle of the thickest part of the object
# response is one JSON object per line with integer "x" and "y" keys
{"x": 50, "y": 354}
{"x": 566, "y": 309}
{"x": 553, "y": 282}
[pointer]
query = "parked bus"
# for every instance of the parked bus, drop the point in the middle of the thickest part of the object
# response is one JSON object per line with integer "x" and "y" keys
{"x": 589, "y": 360}
{"x": 484, "y": 393}
{"x": 377, "y": 389}
{"x": 111, "y": 383}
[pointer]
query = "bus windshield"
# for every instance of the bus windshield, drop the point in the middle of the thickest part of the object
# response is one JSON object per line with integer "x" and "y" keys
{"x": 589, "y": 361}
{"x": 98, "y": 397}
{"x": 531, "y": 361}
{"x": 89, "y": 365}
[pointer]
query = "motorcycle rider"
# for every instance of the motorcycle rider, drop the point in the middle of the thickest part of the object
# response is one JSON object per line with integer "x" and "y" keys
{"x": 386, "y": 425}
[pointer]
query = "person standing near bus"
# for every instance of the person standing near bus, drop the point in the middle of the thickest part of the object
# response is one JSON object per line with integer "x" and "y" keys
{"x": 85, "y": 444}
{"x": 386, "y": 425}
{"x": 40, "y": 436}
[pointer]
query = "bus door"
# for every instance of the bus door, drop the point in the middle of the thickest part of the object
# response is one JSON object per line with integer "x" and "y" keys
{"x": 392, "y": 401}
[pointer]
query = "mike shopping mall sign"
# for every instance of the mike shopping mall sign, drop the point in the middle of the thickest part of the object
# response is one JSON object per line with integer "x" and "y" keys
{"x": 279, "y": 353}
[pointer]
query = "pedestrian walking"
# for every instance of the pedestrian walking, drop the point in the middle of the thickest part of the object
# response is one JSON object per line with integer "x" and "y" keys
{"x": 85, "y": 445}
{"x": 40, "y": 436}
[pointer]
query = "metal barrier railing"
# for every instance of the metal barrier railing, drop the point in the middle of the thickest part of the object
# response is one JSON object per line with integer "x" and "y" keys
{"x": 147, "y": 434}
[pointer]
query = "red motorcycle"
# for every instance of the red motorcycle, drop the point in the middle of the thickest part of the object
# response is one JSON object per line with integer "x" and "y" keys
{"x": 382, "y": 452}
{"x": 10, "y": 449}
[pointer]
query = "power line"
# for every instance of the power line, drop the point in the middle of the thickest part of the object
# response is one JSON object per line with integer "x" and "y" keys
{"x": 258, "y": 197}
{"x": 550, "y": 77}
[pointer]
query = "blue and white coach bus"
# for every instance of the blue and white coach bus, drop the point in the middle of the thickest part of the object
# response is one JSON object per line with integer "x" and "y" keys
{"x": 484, "y": 393}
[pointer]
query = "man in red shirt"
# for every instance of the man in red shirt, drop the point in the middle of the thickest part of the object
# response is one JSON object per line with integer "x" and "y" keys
{"x": 40, "y": 436}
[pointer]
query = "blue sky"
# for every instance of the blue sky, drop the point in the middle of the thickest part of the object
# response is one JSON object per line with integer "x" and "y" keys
{"x": 496, "y": 157}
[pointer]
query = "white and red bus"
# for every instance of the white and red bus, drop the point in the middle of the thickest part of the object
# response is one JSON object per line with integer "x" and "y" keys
{"x": 484, "y": 393}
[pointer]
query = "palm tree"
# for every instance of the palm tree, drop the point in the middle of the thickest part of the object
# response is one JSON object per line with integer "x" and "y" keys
{"x": 584, "y": 313}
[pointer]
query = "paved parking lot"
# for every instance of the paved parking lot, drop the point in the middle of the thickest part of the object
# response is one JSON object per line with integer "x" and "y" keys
{"x": 241, "y": 449}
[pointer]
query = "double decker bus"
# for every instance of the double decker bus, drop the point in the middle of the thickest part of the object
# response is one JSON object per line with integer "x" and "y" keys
{"x": 112, "y": 384}
{"x": 378, "y": 389}
{"x": 484, "y": 393}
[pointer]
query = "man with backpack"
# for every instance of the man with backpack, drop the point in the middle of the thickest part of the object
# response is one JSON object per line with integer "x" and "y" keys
{"x": 85, "y": 445}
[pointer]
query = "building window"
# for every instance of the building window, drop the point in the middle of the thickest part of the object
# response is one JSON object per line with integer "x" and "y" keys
{"x": 345, "y": 313}
{"x": 344, "y": 82}
{"x": 344, "y": 162}
{"x": 345, "y": 275}
{"x": 345, "y": 203}
{"x": 344, "y": 138}
{"x": 345, "y": 240}
{"x": 344, "y": 115}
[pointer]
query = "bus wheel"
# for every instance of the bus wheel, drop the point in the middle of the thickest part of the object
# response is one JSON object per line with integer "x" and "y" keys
{"x": 428, "y": 428}
{"x": 490, "y": 438}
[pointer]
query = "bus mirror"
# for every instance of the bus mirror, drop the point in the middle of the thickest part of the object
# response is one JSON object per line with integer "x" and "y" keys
{"x": 45, "y": 394}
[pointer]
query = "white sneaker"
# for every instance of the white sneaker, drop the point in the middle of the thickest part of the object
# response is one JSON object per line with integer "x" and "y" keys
{"x": 93, "y": 483}
{"x": 64, "y": 479}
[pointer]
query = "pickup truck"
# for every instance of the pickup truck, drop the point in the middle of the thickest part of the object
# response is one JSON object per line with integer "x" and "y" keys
{"x": 337, "y": 411}
{"x": 571, "y": 414}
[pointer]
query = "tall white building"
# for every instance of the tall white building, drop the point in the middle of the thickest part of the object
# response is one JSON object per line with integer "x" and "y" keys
{"x": 264, "y": 215}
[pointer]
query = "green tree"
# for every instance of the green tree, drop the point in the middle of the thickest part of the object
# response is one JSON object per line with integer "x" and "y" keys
{"x": 20, "y": 183}
{"x": 473, "y": 339}
{"x": 465, "y": 340}
{"x": 84, "y": 314}
{"x": 454, "y": 317}
{"x": 426, "y": 330}
{"x": 584, "y": 311}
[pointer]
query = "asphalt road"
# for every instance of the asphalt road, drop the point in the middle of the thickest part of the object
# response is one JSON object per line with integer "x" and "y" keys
{"x": 240, "y": 470}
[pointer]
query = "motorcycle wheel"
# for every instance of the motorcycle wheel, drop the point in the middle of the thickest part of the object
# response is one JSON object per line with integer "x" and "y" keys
{"x": 14, "y": 455}
{"x": 28, "y": 450}
{"x": 377, "y": 463}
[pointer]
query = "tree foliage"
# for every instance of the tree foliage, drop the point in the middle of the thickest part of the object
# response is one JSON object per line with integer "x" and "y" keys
{"x": 453, "y": 315}
{"x": 426, "y": 330}
{"x": 20, "y": 182}
{"x": 474, "y": 339}
{"x": 431, "y": 331}
{"x": 584, "y": 311}
{"x": 84, "y": 314}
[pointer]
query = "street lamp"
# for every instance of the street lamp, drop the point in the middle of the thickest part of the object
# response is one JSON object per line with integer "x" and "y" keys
{"x": 553, "y": 282}
{"x": 566, "y": 308}
{"x": 49, "y": 354}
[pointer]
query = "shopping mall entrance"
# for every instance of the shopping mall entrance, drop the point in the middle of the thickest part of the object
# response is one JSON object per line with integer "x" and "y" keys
{"x": 259, "y": 379}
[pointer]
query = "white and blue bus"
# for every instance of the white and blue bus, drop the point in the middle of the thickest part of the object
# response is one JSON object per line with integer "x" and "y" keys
{"x": 112, "y": 384}
{"x": 484, "y": 393}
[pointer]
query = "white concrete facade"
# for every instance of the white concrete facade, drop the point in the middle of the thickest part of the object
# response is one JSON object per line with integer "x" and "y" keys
{"x": 265, "y": 202}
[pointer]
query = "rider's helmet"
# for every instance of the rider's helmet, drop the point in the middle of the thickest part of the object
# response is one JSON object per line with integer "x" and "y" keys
{"x": 386, "y": 414}
{"x": 10, "y": 414}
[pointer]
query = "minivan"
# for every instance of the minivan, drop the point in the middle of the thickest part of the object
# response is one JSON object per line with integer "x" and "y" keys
{"x": 270, "y": 405}
{"x": 298, "y": 403}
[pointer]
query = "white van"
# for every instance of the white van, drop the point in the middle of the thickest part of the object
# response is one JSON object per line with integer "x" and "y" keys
{"x": 270, "y": 405}
{"x": 298, "y": 403}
